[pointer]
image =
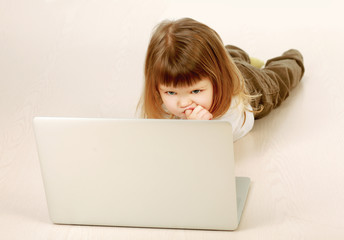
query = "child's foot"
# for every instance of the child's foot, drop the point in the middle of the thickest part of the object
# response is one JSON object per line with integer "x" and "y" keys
{"x": 294, "y": 54}
{"x": 256, "y": 62}
{"x": 297, "y": 56}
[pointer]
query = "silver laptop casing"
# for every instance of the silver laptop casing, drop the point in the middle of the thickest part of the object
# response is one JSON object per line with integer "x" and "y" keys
{"x": 140, "y": 173}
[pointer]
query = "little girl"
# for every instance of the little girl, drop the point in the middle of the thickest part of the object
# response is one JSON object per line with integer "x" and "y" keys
{"x": 190, "y": 74}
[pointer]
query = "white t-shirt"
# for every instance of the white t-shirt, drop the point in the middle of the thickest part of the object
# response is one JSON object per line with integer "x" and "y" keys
{"x": 236, "y": 116}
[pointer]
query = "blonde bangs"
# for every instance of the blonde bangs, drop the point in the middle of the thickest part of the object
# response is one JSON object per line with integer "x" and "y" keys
{"x": 176, "y": 74}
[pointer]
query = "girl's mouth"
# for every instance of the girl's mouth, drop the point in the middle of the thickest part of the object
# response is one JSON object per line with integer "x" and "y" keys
{"x": 191, "y": 108}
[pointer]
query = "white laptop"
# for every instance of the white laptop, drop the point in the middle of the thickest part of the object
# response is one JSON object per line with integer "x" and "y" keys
{"x": 140, "y": 173}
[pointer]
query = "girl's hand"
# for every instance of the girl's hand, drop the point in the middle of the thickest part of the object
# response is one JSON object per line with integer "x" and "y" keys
{"x": 199, "y": 113}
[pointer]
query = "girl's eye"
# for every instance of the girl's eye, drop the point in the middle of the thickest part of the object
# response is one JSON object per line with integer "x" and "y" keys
{"x": 196, "y": 91}
{"x": 171, "y": 93}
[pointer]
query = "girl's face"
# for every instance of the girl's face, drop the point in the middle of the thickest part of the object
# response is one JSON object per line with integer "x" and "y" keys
{"x": 178, "y": 100}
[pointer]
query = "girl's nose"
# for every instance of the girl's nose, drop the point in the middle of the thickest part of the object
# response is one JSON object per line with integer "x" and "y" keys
{"x": 184, "y": 102}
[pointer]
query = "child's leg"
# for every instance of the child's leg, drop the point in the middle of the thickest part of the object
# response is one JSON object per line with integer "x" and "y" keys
{"x": 240, "y": 55}
{"x": 237, "y": 53}
{"x": 287, "y": 70}
{"x": 273, "y": 82}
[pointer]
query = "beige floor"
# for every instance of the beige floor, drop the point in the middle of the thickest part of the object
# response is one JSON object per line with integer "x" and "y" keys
{"x": 85, "y": 59}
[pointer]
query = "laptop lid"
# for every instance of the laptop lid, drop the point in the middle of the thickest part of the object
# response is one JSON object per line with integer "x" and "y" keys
{"x": 138, "y": 173}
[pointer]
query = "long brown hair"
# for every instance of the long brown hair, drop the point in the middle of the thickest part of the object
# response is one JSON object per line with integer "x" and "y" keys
{"x": 183, "y": 52}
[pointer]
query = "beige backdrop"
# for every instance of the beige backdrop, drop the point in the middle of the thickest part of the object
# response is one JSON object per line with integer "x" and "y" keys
{"x": 80, "y": 58}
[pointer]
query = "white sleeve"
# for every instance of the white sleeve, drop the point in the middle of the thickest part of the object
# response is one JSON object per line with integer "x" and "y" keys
{"x": 236, "y": 116}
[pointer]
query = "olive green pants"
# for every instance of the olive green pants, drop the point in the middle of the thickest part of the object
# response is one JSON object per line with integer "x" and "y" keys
{"x": 273, "y": 82}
